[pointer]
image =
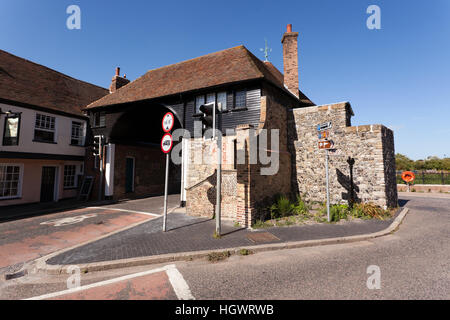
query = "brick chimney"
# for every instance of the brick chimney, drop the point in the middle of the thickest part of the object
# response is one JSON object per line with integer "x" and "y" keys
{"x": 118, "y": 81}
{"x": 290, "y": 60}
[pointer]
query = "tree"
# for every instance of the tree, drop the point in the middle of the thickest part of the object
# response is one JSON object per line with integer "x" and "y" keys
{"x": 403, "y": 163}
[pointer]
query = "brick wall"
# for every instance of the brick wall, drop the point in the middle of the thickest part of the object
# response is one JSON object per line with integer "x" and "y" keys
{"x": 149, "y": 171}
{"x": 372, "y": 147}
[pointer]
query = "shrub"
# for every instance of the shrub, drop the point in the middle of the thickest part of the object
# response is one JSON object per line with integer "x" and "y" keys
{"x": 281, "y": 208}
{"x": 338, "y": 212}
{"x": 300, "y": 207}
{"x": 369, "y": 210}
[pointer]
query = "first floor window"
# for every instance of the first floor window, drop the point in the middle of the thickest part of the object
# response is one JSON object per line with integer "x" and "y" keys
{"x": 9, "y": 181}
{"x": 240, "y": 99}
{"x": 99, "y": 119}
{"x": 44, "y": 129}
{"x": 222, "y": 99}
{"x": 199, "y": 100}
{"x": 11, "y": 132}
{"x": 70, "y": 176}
{"x": 77, "y": 134}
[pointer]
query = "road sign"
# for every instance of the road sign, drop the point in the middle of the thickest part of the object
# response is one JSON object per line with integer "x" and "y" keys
{"x": 324, "y": 134}
{"x": 166, "y": 143}
{"x": 168, "y": 122}
{"x": 324, "y": 126}
{"x": 325, "y": 144}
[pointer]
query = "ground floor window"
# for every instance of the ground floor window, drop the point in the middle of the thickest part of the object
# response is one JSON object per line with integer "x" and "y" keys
{"x": 9, "y": 181}
{"x": 70, "y": 177}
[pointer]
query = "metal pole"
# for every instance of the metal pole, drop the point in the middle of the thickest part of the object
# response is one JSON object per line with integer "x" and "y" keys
{"x": 165, "y": 194}
{"x": 328, "y": 188}
{"x": 100, "y": 160}
{"x": 219, "y": 182}
{"x": 214, "y": 120}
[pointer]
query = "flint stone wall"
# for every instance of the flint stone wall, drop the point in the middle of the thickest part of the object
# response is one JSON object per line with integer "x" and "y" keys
{"x": 372, "y": 147}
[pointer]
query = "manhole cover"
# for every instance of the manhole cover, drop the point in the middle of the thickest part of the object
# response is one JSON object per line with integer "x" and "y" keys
{"x": 262, "y": 237}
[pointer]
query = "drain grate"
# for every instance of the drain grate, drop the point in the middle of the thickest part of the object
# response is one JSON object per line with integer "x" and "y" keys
{"x": 262, "y": 237}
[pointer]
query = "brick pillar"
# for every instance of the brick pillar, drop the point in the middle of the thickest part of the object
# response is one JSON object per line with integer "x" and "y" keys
{"x": 244, "y": 206}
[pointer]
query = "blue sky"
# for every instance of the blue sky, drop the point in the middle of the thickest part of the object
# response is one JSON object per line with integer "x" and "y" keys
{"x": 398, "y": 76}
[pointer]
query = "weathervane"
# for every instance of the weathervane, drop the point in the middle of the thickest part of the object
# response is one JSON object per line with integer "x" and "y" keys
{"x": 266, "y": 51}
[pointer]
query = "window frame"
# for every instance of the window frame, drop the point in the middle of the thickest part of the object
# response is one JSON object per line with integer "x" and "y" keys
{"x": 74, "y": 185}
{"x": 81, "y": 137}
{"x": 100, "y": 114}
{"x": 235, "y": 96}
{"x": 35, "y": 139}
{"x": 19, "y": 181}
{"x": 197, "y": 107}
{"x": 18, "y": 129}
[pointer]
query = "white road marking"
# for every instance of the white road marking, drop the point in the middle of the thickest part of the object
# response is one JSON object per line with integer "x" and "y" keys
{"x": 179, "y": 285}
{"x": 125, "y": 210}
{"x": 177, "y": 281}
{"x": 69, "y": 220}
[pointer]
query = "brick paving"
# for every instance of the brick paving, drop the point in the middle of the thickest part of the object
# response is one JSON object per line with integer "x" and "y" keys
{"x": 187, "y": 234}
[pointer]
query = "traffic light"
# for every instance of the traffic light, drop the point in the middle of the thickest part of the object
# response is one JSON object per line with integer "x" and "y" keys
{"x": 208, "y": 115}
{"x": 98, "y": 144}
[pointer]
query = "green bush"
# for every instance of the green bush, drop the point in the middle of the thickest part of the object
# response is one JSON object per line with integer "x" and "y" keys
{"x": 281, "y": 208}
{"x": 338, "y": 212}
{"x": 300, "y": 207}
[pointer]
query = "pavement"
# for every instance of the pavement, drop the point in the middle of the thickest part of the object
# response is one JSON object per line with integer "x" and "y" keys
{"x": 26, "y": 239}
{"x": 192, "y": 237}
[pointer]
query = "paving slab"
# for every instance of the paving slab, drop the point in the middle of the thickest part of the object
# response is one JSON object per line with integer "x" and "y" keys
{"x": 191, "y": 234}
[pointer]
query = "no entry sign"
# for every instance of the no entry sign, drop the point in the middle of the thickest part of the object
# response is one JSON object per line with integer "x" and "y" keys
{"x": 166, "y": 143}
{"x": 168, "y": 122}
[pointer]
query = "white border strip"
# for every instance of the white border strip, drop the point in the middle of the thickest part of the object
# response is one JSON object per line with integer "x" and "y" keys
{"x": 177, "y": 281}
{"x": 125, "y": 210}
{"x": 179, "y": 285}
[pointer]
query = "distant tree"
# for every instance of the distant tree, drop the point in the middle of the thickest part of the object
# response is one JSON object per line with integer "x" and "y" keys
{"x": 446, "y": 164}
{"x": 403, "y": 163}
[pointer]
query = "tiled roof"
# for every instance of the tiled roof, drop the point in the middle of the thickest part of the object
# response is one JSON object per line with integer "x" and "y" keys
{"x": 228, "y": 66}
{"x": 26, "y": 82}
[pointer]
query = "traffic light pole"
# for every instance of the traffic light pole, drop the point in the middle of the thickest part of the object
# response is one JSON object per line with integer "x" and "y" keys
{"x": 219, "y": 179}
{"x": 207, "y": 113}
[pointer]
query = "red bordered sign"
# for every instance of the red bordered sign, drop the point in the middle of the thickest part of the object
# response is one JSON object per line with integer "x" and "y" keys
{"x": 168, "y": 122}
{"x": 166, "y": 143}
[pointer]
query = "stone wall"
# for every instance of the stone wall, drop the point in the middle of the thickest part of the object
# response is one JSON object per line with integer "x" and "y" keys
{"x": 201, "y": 178}
{"x": 371, "y": 146}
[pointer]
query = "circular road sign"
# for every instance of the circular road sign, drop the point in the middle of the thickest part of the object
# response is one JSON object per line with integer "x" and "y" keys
{"x": 166, "y": 143}
{"x": 408, "y": 176}
{"x": 168, "y": 122}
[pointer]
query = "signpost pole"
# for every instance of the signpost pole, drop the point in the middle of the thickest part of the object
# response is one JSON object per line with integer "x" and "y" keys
{"x": 166, "y": 147}
{"x": 165, "y": 193}
{"x": 328, "y": 187}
